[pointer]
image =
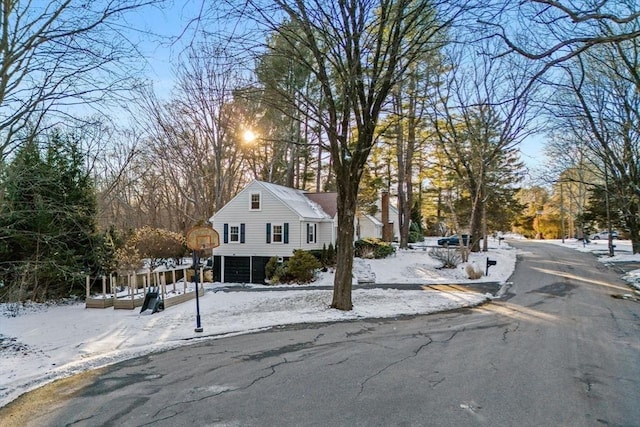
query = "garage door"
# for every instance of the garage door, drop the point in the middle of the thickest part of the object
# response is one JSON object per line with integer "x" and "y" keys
{"x": 237, "y": 269}
{"x": 258, "y": 264}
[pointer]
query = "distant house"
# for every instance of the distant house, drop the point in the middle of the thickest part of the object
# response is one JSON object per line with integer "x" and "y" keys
{"x": 267, "y": 220}
{"x": 372, "y": 225}
{"x": 368, "y": 226}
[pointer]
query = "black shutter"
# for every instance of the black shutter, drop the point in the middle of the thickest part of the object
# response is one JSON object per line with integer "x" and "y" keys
{"x": 226, "y": 233}
{"x": 315, "y": 233}
{"x": 268, "y": 232}
{"x": 286, "y": 232}
{"x": 241, "y": 233}
{"x": 308, "y": 228}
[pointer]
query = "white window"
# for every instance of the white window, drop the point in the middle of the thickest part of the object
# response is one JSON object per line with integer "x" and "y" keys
{"x": 234, "y": 233}
{"x": 311, "y": 233}
{"x": 255, "y": 202}
{"x": 276, "y": 234}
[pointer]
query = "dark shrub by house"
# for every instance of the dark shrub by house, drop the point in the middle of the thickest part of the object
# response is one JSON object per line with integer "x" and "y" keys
{"x": 300, "y": 268}
{"x": 276, "y": 271}
{"x": 373, "y": 248}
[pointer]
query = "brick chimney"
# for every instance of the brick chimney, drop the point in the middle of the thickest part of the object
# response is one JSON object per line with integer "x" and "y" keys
{"x": 387, "y": 227}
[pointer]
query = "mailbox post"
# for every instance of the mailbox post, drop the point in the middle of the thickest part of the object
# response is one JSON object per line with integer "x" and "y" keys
{"x": 490, "y": 262}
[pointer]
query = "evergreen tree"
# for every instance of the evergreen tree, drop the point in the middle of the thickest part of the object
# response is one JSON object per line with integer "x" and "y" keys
{"x": 47, "y": 222}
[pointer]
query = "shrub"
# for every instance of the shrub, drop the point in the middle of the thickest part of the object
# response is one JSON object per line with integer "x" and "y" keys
{"x": 271, "y": 267}
{"x": 302, "y": 266}
{"x": 365, "y": 247}
{"x": 319, "y": 254}
{"x": 473, "y": 271}
{"x": 450, "y": 258}
{"x": 415, "y": 236}
{"x": 331, "y": 255}
{"x": 280, "y": 275}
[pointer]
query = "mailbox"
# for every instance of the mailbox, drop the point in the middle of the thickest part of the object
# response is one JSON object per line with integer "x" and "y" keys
{"x": 490, "y": 262}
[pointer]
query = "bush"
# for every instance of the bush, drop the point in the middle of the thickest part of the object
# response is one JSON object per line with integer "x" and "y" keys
{"x": 450, "y": 258}
{"x": 280, "y": 275}
{"x": 474, "y": 272}
{"x": 302, "y": 266}
{"x": 331, "y": 255}
{"x": 271, "y": 267}
{"x": 415, "y": 236}
{"x": 373, "y": 248}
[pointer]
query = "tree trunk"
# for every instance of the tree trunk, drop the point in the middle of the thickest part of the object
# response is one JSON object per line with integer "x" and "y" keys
{"x": 632, "y": 223}
{"x": 485, "y": 243}
{"x": 347, "y": 198}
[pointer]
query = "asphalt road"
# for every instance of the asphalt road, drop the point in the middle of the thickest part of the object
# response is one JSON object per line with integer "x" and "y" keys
{"x": 557, "y": 350}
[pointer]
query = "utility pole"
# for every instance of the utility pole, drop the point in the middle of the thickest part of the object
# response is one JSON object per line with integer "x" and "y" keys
{"x": 607, "y": 207}
{"x": 562, "y": 210}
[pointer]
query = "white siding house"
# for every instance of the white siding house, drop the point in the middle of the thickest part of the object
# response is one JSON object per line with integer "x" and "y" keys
{"x": 367, "y": 226}
{"x": 266, "y": 220}
{"x": 371, "y": 225}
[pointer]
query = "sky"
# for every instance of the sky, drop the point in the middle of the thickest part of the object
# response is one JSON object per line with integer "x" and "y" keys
{"x": 40, "y": 343}
{"x": 171, "y": 29}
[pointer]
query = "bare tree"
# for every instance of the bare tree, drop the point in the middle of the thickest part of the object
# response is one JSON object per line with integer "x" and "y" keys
{"x": 191, "y": 164}
{"x": 359, "y": 50}
{"x": 412, "y": 96}
{"x": 58, "y": 54}
{"x": 481, "y": 119}
{"x": 551, "y": 32}
{"x": 600, "y": 107}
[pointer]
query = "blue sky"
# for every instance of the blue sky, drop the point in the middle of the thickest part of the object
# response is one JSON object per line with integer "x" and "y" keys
{"x": 166, "y": 32}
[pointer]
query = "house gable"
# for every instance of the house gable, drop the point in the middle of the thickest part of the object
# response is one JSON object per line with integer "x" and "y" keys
{"x": 271, "y": 220}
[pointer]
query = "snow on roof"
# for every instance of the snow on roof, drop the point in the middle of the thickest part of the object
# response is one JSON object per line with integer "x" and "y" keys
{"x": 296, "y": 200}
{"x": 328, "y": 201}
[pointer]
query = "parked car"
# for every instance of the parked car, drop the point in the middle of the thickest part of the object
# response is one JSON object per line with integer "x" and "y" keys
{"x": 454, "y": 240}
{"x": 604, "y": 235}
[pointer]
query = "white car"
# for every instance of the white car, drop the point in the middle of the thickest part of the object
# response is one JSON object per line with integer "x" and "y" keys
{"x": 604, "y": 235}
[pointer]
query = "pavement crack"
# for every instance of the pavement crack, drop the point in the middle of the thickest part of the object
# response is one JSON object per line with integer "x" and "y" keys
{"x": 339, "y": 362}
{"x": 435, "y": 383}
{"x": 456, "y": 332}
{"x": 271, "y": 370}
{"x": 396, "y": 362}
{"x": 508, "y": 330}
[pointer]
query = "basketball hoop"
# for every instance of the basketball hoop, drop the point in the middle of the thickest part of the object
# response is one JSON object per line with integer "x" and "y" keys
{"x": 202, "y": 237}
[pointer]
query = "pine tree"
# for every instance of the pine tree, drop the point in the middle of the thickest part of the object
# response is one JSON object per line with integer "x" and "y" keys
{"x": 47, "y": 222}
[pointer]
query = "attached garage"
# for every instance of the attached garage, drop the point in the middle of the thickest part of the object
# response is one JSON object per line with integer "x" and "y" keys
{"x": 258, "y": 264}
{"x": 237, "y": 269}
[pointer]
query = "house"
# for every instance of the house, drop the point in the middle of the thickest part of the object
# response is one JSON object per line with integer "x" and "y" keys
{"x": 373, "y": 225}
{"x": 266, "y": 220}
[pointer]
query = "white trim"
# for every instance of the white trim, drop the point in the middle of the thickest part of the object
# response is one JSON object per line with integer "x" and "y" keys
{"x": 273, "y": 233}
{"x": 311, "y": 230}
{"x": 231, "y": 241}
{"x": 255, "y": 193}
